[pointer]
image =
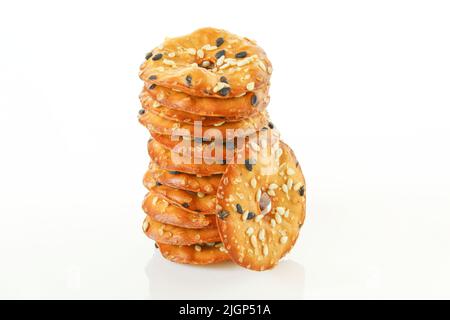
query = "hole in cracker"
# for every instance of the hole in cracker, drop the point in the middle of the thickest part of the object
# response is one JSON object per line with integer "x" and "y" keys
{"x": 265, "y": 203}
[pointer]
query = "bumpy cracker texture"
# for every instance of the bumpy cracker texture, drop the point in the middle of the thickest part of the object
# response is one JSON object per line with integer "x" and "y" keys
{"x": 195, "y": 254}
{"x": 180, "y": 63}
{"x": 168, "y": 234}
{"x": 253, "y": 240}
{"x": 163, "y": 158}
{"x": 180, "y": 180}
{"x": 231, "y": 109}
{"x": 162, "y": 211}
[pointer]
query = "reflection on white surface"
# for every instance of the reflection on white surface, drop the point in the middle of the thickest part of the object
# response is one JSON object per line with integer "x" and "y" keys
{"x": 169, "y": 280}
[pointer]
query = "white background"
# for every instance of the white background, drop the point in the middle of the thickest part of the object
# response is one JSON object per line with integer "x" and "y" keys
{"x": 360, "y": 91}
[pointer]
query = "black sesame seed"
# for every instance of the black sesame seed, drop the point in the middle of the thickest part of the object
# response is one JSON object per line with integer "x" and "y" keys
{"x": 148, "y": 55}
{"x": 219, "y": 54}
{"x": 223, "y": 79}
{"x": 157, "y": 56}
{"x": 189, "y": 80}
{"x": 271, "y": 126}
{"x": 223, "y": 214}
{"x": 141, "y": 112}
{"x": 251, "y": 215}
{"x": 254, "y": 100}
{"x": 174, "y": 172}
{"x": 156, "y": 246}
{"x": 301, "y": 192}
{"x": 219, "y": 42}
{"x": 152, "y": 77}
{"x": 152, "y": 86}
{"x": 241, "y": 54}
{"x": 248, "y": 165}
{"x": 158, "y": 183}
{"x": 185, "y": 205}
{"x": 239, "y": 208}
{"x": 224, "y": 91}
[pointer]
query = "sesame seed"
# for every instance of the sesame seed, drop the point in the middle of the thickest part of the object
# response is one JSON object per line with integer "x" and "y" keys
{"x": 152, "y": 77}
{"x": 148, "y": 55}
{"x": 169, "y": 62}
{"x": 248, "y": 165}
{"x": 241, "y": 55}
{"x": 218, "y": 125}
{"x": 259, "y": 217}
{"x": 265, "y": 250}
{"x": 262, "y": 235}
{"x": 157, "y": 56}
{"x": 225, "y": 91}
{"x": 220, "y": 61}
{"x": 285, "y": 188}
{"x": 278, "y": 218}
{"x": 156, "y": 104}
{"x": 189, "y": 80}
{"x": 289, "y": 183}
{"x": 271, "y": 126}
{"x": 198, "y": 248}
{"x": 245, "y": 215}
{"x": 302, "y": 191}
{"x": 145, "y": 225}
{"x": 297, "y": 186}
{"x": 251, "y": 86}
{"x": 219, "y": 54}
{"x": 286, "y": 214}
{"x": 206, "y": 64}
{"x": 223, "y": 214}
{"x": 273, "y": 223}
{"x": 253, "y": 241}
{"x": 273, "y": 186}
{"x": 280, "y": 210}
{"x": 253, "y": 183}
{"x": 171, "y": 55}
{"x": 185, "y": 205}
{"x": 223, "y": 79}
{"x": 219, "y": 41}
{"x": 271, "y": 193}
{"x": 239, "y": 209}
{"x": 258, "y": 195}
{"x": 249, "y": 231}
{"x": 283, "y": 239}
{"x": 290, "y": 171}
{"x": 200, "y": 53}
{"x": 254, "y": 100}
{"x": 141, "y": 111}
{"x": 191, "y": 51}
{"x": 251, "y": 215}
{"x": 279, "y": 152}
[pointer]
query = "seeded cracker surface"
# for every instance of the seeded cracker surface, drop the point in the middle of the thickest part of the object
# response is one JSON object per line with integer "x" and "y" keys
{"x": 195, "y": 254}
{"x": 255, "y": 239}
{"x": 196, "y": 63}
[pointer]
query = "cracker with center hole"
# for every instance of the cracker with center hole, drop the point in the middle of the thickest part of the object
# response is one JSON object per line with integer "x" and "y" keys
{"x": 194, "y": 254}
{"x": 242, "y": 128}
{"x": 162, "y": 211}
{"x": 231, "y": 109}
{"x": 168, "y": 234}
{"x": 187, "y": 200}
{"x": 163, "y": 158}
{"x": 184, "y": 181}
{"x": 208, "y": 62}
{"x": 262, "y": 207}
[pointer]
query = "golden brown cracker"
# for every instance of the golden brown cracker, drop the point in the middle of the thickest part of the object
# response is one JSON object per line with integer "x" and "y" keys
{"x": 194, "y": 254}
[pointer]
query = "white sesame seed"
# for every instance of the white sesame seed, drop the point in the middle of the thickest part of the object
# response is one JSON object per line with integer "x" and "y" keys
{"x": 253, "y": 241}
{"x": 280, "y": 210}
{"x": 278, "y": 218}
{"x": 249, "y": 231}
{"x": 289, "y": 183}
{"x": 290, "y": 171}
{"x": 145, "y": 225}
{"x": 191, "y": 51}
{"x": 283, "y": 239}
{"x": 171, "y": 54}
{"x": 265, "y": 250}
{"x": 220, "y": 61}
{"x": 253, "y": 183}
{"x": 250, "y": 86}
{"x": 245, "y": 215}
{"x": 258, "y": 195}
{"x": 200, "y": 53}
{"x": 273, "y": 223}
{"x": 262, "y": 65}
{"x": 285, "y": 188}
{"x": 273, "y": 186}
{"x": 271, "y": 193}
{"x": 198, "y": 248}
{"x": 200, "y": 194}
{"x": 262, "y": 235}
{"x": 156, "y": 104}
{"x": 286, "y": 214}
{"x": 279, "y": 152}
{"x": 218, "y": 125}
{"x": 297, "y": 186}
{"x": 169, "y": 62}
{"x": 206, "y": 64}
{"x": 259, "y": 217}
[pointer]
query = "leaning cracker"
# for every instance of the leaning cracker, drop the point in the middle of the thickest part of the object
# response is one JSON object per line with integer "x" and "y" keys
{"x": 209, "y": 63}
{"x": 162, "y": 211}
{"x": 262, "y": 207}
{"x": 163, "y": 158}
{"x": 230, "y": 109}
{"x": 201, "y": 185}
{"x": 194, "y": 254}
{"x": 242, "y": 128}
{"x": 168, "y": 234}
{"x": 189, "y": 201}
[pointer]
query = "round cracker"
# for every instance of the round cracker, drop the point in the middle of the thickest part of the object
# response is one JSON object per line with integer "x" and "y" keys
{"x": 168, "y": 234}
{"x": 163, "y": 157}
{"x": 179, "y": 63}
{"x": 161, "y": 210}
{"x": 244, "y": 127}
{"x": 232, "y": 109}
{"x": 184, "y": 181}
{"x": 253, "y": 239}
{"x": 194, "y": 254}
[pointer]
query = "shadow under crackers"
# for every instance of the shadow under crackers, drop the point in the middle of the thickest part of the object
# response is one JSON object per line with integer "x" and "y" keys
{"x": 224, "y": 281}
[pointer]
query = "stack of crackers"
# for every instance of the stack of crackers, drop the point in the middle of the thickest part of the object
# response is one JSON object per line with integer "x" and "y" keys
{"x": 220, "y": 184}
